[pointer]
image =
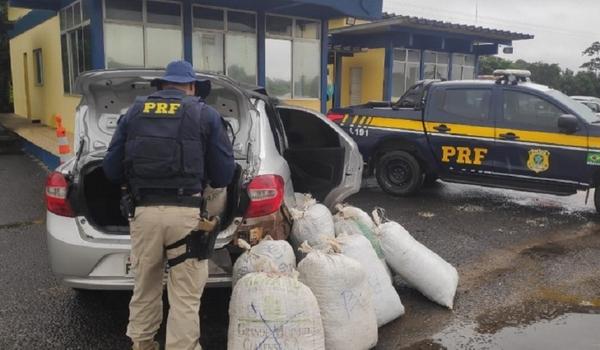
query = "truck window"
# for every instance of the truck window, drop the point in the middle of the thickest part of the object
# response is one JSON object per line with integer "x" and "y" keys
{"x": 529, "y": 110}
{"x": 411, "y": 98}
{"x": 467, "y": 103}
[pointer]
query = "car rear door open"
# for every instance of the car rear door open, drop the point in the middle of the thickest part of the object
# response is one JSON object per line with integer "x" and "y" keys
{"x": 323, "y": 159}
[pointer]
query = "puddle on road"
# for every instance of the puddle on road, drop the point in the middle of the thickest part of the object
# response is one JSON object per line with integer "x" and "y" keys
{"x": 569, "y": 331}
{"x": 21, "y": 224}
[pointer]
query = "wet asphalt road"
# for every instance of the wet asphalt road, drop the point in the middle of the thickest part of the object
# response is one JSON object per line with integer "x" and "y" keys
{"x": 523, "y": 258}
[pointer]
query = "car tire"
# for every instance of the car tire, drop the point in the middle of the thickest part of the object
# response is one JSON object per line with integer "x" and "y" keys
{"x": 399, "y": 173}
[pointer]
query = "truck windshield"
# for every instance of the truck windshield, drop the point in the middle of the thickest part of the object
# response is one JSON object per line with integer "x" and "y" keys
{"x": 582, "y": 110}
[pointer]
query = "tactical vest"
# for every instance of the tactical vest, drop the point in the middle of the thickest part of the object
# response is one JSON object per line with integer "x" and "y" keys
{"x": 165, "y": 148}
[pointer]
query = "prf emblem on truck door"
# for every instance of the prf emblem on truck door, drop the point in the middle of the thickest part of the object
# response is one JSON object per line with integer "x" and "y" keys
{"x": 539, "y": 160}
{"x": 464, "y": 155}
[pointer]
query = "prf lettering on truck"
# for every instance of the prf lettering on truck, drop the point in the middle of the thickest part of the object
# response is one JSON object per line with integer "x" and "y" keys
{"x": 464, "y": 155}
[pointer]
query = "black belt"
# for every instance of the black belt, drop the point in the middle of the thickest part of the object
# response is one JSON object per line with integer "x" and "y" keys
{"x": 175, "y": 201}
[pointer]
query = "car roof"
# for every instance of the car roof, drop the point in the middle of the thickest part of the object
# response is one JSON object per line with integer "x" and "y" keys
{"x": 459, "y": 83}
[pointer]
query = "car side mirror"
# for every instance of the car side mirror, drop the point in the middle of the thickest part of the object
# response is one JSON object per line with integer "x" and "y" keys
{"x": 568, "y": 123}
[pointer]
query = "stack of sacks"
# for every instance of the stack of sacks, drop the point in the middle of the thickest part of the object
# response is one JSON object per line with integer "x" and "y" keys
{"x": 340, "y": 285}
{"x": 263, "y": 257}
{"x": 416, "y": 264}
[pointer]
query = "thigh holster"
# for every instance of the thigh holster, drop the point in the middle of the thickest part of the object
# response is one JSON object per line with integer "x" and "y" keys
{"x": 199, "y": 244}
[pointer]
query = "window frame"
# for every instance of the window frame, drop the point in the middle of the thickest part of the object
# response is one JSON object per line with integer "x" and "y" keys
{"x": 145, "y": 24}
{"x": 462, "y": 66}
{"x": 511, "y": 124}
{"x": 436, "y": 64}
{"x": 406, "y": 63}
{"x": 225, "y": 31}
{"x": 294, "y": 38}
{"x": 38, "y": 66}
{"x": 66, "y": 30}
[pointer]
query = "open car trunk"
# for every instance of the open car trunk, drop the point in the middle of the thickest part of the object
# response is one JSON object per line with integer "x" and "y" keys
{"x": 99, "y": 200}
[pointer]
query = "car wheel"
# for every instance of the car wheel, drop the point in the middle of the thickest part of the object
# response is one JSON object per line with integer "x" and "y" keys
{"x": 399, "y": 173}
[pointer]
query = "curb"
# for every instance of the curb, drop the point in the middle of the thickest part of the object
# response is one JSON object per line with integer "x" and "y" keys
{"x": 50, "y": 160}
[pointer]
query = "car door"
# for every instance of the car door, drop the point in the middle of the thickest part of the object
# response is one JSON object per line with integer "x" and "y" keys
{"x": 324, "y": 160}
{"x": 534, "y": 150}
{"x": 459, "y": 121}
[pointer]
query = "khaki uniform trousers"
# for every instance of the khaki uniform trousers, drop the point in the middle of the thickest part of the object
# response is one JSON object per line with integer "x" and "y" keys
{"x": 152, "y": 229}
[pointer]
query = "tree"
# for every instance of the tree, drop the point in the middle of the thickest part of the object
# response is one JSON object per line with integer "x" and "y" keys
{"x": 593, "y": 65}
{"x": 488, "y": 64}
{"x": 5, "y": 80}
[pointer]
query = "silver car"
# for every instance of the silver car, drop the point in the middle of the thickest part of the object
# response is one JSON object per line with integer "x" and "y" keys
{"x": 279, "y": 150}
{"x": 591, "y": 102}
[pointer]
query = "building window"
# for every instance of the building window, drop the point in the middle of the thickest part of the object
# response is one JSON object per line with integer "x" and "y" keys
{"x": 406, "y": 71}
{"x": 38, "y": 61}
{"x": 142, "y": 33}
{"x": 75, "y": 44}
{"x": 293, "y": 59}
{"x": 436, "y": 65}
{"x": 463, "y": 67}
{"x": 224, "y": 42}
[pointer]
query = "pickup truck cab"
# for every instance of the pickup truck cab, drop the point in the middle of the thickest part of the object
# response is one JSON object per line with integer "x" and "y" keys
{"x": 507, "y": 133}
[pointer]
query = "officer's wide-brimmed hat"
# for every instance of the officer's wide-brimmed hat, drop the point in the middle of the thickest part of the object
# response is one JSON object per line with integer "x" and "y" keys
{"x": 179, "y": 72}
{"x": 182, "y": 72}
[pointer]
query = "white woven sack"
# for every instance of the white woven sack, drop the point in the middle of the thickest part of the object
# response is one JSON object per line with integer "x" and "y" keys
{"x": 386, "y": 300}
{"x": 267, "y": 256}
{"x": 302, "y": 199}
{"x": 418, "y": 265}
{"x": 352, "y": 220}
{"x": 274, "y": 311}
{"x": 313, "y": 223}
{"x": 340, "y": 285}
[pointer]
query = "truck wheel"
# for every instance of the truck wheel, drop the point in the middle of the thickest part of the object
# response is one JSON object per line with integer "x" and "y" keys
{"x": 399, "y": 173}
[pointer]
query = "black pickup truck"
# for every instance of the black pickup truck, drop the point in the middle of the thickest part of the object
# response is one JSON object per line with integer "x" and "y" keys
{"x": 507, "y": 133}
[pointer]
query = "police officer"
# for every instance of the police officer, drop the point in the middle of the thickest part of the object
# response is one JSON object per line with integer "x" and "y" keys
{"x": 166, "y": 148}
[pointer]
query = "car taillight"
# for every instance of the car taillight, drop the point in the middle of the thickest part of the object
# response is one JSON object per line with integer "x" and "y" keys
{"x": 56, "y": 195}
{"x": 266, "y": 195}
{"x": 334, "y": 117}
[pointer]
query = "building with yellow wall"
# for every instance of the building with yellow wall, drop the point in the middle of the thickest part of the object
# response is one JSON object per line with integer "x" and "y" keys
{"x": 36, "y": 69}
{"x": 380, "y": 60}
{"x": 279, "y": 44}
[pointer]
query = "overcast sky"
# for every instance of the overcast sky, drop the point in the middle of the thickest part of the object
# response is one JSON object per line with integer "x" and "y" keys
{"x": 562, "y": 28}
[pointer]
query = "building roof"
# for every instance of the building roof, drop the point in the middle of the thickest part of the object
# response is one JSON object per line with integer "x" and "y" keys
{"x": 370, "y": 9}
{"x": 397, "y": 23}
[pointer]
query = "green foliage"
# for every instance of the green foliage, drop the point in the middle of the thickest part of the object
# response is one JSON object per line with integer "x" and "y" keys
{"x": 593, "y": 52}
{"x": 5, "y": 80}
{"x": 586, "y": 83}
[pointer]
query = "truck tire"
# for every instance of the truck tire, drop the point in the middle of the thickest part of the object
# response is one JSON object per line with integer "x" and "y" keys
{"x": 399, "y": 173}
